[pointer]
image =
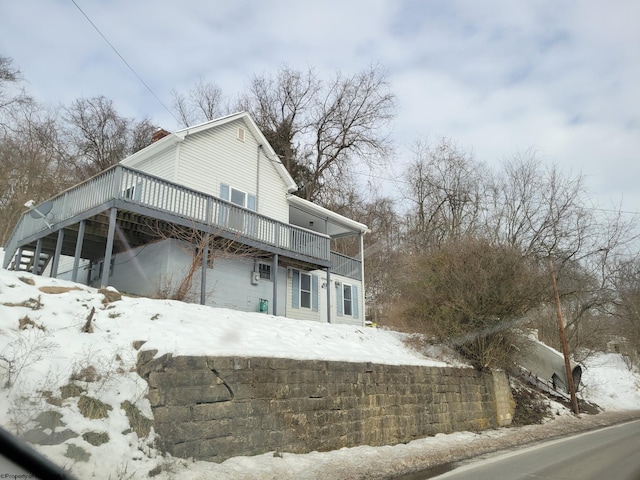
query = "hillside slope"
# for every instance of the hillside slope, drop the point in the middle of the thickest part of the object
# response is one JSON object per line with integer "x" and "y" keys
{"x": 77, "y": 394}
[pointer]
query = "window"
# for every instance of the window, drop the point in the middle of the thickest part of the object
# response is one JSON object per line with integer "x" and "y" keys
{"x": 238, "y": 197}
{"x": 235, "y": 218}
{"x": 133, "y": 192}
{"x": 347, "y": 299}
{"x": 305, "y": 290}
{"x": 265, "y": 271}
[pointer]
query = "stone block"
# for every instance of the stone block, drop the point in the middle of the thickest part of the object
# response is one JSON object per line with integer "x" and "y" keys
{"x": 172, "y": 414}
{"x": 183, "y": 378}
{"x": 186, "y": 363}
{"x": 154, "y": 397}
{"x": 194, "y": 395}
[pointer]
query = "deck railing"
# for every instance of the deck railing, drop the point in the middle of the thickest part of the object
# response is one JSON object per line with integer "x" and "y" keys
{"x": 129, "y": 185}
{"x": 347, "y": 266}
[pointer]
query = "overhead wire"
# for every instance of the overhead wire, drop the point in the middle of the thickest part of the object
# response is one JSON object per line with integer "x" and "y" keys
{"x": 124, "y": 61}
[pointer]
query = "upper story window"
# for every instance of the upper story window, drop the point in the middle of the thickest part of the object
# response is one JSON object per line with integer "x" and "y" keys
{"x": 238, "y": 197}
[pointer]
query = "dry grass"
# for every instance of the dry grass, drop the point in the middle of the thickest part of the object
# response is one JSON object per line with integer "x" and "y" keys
{"x": 57, "y": 290}
{"x": 93, "y": 408}
{"x": 32, "y": 303}
{"x": 139, "y": 423}
{"x": 86, "y": 374}
{"x": 25, "y": 323}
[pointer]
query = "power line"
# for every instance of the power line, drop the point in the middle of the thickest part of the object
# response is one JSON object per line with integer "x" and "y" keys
{"x": 125, "y": 62}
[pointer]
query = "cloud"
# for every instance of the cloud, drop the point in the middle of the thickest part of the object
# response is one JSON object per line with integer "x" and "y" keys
{"x": 495, "y": 76}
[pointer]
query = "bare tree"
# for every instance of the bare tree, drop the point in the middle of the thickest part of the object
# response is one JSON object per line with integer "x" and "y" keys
{"x": 33, "y": 164}
{"x": 546, "y": 213}
{"x": 447, "y": 193}
{"x": 627, "y": 311}
{"x": 320, "y": 128}
{"x": 202, "y": 103}
{"x": 12, "y": 94}
{"x": 99, "y": 137}
{"x": 538, "y": 208}
{"x": 281, "y": 106}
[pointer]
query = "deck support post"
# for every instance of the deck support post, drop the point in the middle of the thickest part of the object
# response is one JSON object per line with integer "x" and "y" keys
{"x": 17, "y": 260}
{"x": 35, "y": 269}
{"x": 274, "y": 270}
{"x": 56, "y": 255}
{"x": 203, "y": 275}
{"x": 328, "y": 294}
{"x": 108, "y": 251}
{"x": 78, "y": 252}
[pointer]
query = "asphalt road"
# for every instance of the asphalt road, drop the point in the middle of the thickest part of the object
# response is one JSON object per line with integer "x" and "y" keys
{"x": 611, "y": 453}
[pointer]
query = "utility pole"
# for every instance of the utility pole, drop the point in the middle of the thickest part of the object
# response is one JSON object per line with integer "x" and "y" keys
{"x": 563, "y": 340}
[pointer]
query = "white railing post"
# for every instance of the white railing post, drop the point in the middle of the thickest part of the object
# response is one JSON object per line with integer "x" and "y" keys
{"x": 117, "y": 182}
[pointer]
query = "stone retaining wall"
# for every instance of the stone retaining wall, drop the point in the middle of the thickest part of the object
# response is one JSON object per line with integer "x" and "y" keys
{"x": 213, "y": 408}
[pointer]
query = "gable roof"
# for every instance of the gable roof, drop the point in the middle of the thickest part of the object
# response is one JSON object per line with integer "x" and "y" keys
{"x": 179, "y": 136}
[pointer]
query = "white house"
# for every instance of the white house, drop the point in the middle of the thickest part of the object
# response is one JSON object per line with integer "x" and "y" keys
{"x": 222, "y": 184}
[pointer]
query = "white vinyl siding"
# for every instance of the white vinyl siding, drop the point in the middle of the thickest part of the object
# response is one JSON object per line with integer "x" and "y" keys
{"x": 161, "y": 165}
{"x": 212, "y": 157}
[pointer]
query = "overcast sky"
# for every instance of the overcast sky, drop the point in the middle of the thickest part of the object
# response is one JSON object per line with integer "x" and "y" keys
{"x": 497, "y": 77}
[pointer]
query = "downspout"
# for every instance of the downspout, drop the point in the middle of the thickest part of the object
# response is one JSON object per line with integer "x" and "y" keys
{"x": 364, "y": 306}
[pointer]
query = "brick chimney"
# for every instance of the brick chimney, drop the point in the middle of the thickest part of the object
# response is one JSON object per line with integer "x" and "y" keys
{"x": 160, "y": 133}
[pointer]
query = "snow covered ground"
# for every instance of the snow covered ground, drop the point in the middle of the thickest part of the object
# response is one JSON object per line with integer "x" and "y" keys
{"x": 42, "y": 346}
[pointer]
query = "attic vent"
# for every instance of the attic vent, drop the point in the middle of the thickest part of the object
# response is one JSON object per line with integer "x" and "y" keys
{"x": 241, "y": 134}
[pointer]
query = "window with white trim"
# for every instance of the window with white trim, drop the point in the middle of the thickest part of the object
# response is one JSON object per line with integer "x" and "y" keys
{"x": 265, "y": 271}
{"x": 347, "y": 299}
{"x": 305, "y": 290}
{"x": 238, "y": 197}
